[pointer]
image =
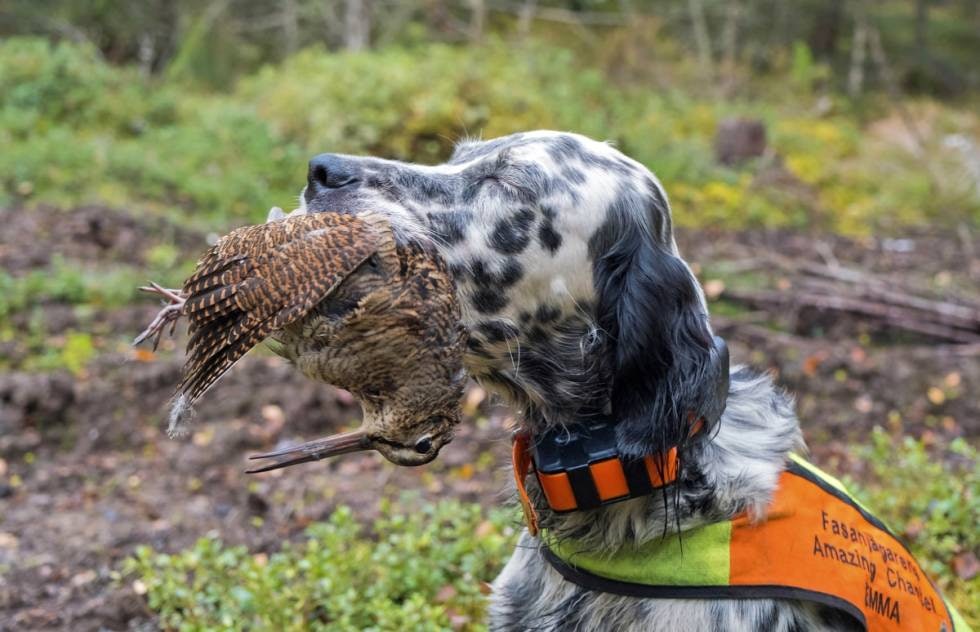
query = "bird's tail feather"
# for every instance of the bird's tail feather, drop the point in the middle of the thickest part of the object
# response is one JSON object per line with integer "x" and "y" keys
{"x": 181, "y": 413}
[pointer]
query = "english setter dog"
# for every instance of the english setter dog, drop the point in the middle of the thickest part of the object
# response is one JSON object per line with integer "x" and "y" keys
{"x": 578, "y": 305}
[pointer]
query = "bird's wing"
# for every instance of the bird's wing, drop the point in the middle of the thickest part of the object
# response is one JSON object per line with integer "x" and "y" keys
{"x": 261, "y": 278}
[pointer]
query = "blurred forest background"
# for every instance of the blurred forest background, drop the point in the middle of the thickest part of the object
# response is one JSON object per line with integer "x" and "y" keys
{"x": 823, "y": 163}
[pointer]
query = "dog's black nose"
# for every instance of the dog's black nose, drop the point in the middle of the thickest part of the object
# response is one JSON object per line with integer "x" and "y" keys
{"x": 330, "y": 171}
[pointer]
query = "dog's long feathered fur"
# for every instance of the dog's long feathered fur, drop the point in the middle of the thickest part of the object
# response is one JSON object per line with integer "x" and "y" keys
{"x": 579, "y": 305}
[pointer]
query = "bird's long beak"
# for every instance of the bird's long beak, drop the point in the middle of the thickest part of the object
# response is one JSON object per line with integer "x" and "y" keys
{"x": 315, "y": 450}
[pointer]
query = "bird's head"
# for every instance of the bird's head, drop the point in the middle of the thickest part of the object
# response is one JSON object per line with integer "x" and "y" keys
{"x": 408, "y": 433}
{"x": 408, "y": 429}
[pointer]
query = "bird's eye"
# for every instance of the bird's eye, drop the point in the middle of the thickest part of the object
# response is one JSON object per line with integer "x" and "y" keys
{"x": 423, "y": 445}
{"x": 373, "y": 261}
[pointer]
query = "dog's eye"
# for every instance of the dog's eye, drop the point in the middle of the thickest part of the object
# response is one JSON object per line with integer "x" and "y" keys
{"x": 423, "y": 445}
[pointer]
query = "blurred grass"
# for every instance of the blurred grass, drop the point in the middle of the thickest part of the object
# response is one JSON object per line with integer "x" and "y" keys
{"x": 78, "y": 130}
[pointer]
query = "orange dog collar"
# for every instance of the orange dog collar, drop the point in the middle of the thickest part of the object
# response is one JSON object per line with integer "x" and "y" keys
{"x": 579, "y": 467}
{"x": 582, "y": 469}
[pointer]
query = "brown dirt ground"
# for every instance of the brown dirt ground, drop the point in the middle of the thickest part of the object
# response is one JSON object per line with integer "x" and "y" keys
{"x": 86, "y": 473}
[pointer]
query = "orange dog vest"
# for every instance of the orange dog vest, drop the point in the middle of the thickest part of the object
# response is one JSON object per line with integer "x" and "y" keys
{"x": 817, "y": 544}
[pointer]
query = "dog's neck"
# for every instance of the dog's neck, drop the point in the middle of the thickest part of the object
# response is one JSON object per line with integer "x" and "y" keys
{"x": 731, "y": 468}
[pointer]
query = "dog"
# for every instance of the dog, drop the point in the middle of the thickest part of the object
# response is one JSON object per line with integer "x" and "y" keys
{"x": 579, "y": 306}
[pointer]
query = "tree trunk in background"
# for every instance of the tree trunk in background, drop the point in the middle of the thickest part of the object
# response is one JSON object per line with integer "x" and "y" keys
{"x": 827, "y": 24}
{"x": 478, "y": 18}
{"x": 971, "y": 10}
{"x": 859, "y": 51}
{"x": 877, "y": 51}
{"x": 331, "y": 12}
{"x": 921, "y": 23}
{"x": 290, "y": 26}
{"x": 701, "y": 39}
{"x": 777, "y": 11}
{"x": 525, "y": 18}
{"x": 146, "y": 54}
{"x": 357, "y": 25}
{"x": 729, "y": 38}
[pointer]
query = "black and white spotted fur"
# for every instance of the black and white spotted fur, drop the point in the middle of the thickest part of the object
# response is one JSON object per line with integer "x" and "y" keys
{"x": 578, "y": 305}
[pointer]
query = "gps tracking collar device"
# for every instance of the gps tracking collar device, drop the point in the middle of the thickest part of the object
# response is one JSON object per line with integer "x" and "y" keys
{"x": 580, "y": 467}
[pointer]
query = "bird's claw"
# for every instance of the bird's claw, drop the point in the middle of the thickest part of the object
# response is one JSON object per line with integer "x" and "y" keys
{"x": 174, "y": 296}
{"x": 170, "y": 313}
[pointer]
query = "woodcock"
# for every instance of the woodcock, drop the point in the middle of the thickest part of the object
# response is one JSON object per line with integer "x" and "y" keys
{"x": 347, "y": 305}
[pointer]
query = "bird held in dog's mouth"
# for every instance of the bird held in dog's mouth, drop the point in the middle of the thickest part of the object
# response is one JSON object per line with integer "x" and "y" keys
{"x": 347, "y": 304}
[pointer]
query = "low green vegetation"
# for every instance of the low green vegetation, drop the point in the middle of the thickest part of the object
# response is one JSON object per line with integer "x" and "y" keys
{"x": 71, "y": 284}
{"x": 422, "y": 568}
{"x": 85, "y": 290}
{"x": 416, "y": 568}
{"x": 76, "y": 129}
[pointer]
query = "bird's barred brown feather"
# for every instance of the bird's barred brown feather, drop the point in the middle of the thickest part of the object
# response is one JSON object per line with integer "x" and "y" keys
{"x": 261, "y": 278}
{"x": 196, "y": 383}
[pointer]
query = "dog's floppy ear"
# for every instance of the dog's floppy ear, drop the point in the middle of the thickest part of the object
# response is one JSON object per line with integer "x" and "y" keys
{"x": 658, "y": 338}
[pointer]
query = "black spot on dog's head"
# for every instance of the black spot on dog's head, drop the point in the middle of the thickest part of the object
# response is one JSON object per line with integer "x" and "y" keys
{"x": 575, "y": 176}
{"x": 511, "y": 235}
{"x": 564, "y": 148}
{"x": 549, "y": 238}
{"x": 509, "y": 273}
{"x": 449, "y": 226}
{"x": 490, "y": 295}
{"x": 547, "y": 313}
{"x": 497, "y": 330}
{"x": 488, "y": 301}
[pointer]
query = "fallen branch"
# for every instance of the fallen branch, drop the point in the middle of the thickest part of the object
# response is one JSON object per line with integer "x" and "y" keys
{"x": 908, "y": 319}
{"x": 736, "y": 328}
{"x": 880, "y": 288}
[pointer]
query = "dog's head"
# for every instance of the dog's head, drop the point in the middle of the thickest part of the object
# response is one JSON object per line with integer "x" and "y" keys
{"x": 576, "y": 299}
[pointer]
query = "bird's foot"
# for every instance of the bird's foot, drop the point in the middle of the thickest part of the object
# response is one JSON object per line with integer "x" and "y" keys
{"x": 169, "y": 314}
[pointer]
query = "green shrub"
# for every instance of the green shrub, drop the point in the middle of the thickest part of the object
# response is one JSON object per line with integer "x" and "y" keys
{"x": 933, "y": 500}
{"x": 75, "y": 129}
{"x": 43, "y": 83}
{"x": 72, "y": 351}
{"x": 88, "y": 289}
{"x": 418, "y": 570}
{"x": 221, "y": 162}
{"x": 414, "y": 104}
